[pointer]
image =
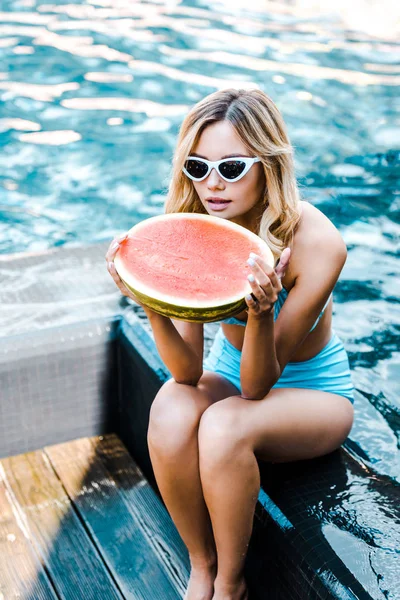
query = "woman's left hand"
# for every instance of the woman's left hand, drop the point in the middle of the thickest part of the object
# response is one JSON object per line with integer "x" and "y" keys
{"x": 266, "y": 283}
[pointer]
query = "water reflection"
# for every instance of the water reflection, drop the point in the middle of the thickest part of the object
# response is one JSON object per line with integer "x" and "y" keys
{"x": 18, "y": 124}
{"x": 92, "y": 98}
{"x": 42, "y": 92}
{"x": 52, "y": 138}
{"x": 299, "y": 69}
{"x": 351, "y": 522}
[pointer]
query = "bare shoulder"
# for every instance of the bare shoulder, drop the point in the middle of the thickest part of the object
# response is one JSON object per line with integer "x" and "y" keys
{"x": 315, "y": 227}
{"x": 316, "y": 239}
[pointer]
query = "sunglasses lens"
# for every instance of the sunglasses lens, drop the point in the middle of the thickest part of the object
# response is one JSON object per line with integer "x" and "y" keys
{"x": 232, "y": 168}
{"x": 196, "y": 168}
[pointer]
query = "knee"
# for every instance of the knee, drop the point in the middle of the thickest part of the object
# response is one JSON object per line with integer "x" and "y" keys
{"x": 175, "y": 415}
{"x": 220, "y": 432}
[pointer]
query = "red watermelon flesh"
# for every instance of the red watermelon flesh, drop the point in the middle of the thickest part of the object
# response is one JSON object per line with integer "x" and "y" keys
{"x": 190, "y": 260}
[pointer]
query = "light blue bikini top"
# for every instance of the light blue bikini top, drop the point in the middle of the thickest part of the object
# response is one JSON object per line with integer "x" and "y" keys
{"x": 283, "y": 294}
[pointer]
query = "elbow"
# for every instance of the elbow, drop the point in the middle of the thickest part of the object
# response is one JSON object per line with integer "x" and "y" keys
{"x": 190, "y": 380}
{"x": 253, "y": 395}
{"x": 251, "y": 392}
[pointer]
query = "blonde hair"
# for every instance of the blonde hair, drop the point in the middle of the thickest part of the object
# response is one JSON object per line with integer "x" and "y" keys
{"x": 260, "y": 126}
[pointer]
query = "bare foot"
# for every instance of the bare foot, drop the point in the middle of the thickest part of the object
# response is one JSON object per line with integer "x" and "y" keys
{"x": 230, "y": 592}
{"x": 201, "y": 584}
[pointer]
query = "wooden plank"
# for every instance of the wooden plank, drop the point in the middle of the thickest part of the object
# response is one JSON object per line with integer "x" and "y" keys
{"x": 22, "y": 574}
{"x": 144, "y": 503}
{"x": 70, "y": 558}
{"x": 116, "y": 530}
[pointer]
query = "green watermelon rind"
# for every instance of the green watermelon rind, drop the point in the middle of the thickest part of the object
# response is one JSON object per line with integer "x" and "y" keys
{"x": 189, "y": 313}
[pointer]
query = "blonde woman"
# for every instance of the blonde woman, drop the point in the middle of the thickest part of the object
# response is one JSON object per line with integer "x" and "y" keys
{"x": 276, "y": 384}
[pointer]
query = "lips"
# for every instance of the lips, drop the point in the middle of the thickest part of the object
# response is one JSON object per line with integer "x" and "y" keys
{"x": 217, "y": 200}
{"x": 217, "y": 204}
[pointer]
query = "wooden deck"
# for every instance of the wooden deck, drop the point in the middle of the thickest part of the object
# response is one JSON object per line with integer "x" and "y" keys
{"x": 79, "y": 521}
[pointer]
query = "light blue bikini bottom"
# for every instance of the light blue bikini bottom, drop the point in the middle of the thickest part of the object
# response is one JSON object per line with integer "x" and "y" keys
{"x": 328, "y": 371}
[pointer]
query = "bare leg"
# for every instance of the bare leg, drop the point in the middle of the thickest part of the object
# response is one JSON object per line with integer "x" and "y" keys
{"x": 288, "y": 424}
{"x": 231, "y": 498}
{"x": 231, "y": 482}
{"x": 173, "y": 446}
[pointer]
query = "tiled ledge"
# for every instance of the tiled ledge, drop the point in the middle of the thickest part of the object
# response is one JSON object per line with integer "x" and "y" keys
{"x": 61, "y": 287}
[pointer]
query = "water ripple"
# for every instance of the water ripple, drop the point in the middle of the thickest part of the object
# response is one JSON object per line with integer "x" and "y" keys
{"x": 53, "y": 138}
{"x": 302, "y": 70}
{"x": 92, "y": 98}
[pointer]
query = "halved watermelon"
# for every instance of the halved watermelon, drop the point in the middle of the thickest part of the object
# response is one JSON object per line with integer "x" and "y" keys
{"x": 189, "y": 266}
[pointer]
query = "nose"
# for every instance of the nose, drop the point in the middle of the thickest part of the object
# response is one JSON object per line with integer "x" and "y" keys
{"x": 214, "y": 180}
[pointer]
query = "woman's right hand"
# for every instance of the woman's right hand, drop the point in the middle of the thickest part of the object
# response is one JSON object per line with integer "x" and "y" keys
{"x": 110, "y": 255}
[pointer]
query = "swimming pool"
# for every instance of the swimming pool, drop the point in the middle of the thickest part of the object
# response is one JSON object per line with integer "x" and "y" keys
{"x": 92, "y": 96}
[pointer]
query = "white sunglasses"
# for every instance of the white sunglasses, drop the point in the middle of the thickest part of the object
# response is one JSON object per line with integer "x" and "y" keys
{"x": 230, "y": 169}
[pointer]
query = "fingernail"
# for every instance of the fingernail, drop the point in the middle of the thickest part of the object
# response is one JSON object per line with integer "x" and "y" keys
{"x": 250, "y": 277}
{"x": 114, "y": 246}
{"x": 110, "y": 265}
{"x": 251, "y": 262}
{"x": 252, "y": 255}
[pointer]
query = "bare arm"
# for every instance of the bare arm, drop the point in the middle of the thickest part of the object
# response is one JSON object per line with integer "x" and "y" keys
{"x": 180, "y": 345}
{"x": 269, "y": 346}
{"x": 259, "y": 366}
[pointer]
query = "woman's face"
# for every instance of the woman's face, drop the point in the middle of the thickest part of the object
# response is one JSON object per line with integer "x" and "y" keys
{"x": 218, "y": 141}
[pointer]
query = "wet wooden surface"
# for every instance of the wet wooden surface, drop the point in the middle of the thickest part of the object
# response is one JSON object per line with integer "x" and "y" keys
{"x": 78, "y": 520}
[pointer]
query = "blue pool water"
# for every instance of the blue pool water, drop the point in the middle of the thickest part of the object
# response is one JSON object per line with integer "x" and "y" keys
{"x": 92, "y": 96}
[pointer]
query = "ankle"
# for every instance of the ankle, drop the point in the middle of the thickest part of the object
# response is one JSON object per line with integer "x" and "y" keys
{"x": 231, "y": 585}
{"x": 203, "y": 563}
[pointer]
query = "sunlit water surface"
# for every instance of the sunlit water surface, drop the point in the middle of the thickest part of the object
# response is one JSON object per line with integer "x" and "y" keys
{"x": 92, "y": 96}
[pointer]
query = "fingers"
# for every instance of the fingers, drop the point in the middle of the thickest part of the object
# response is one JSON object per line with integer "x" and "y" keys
{"x": 256, "y": 290}
{"x": 257, "y": 301}
{"x": 113, "y": 272}
{"x": 122, "y": 287}
{"x": 265, "y": 274}
{"x": 265, "y": 282}
{"x": 110, "y": 255}
{"x": 275, "y": 275}
{"x": 251, "y": 302}
{"x": 283, "y": 262}
{"x": 122, "y": 236}
{"x": 114, "y": 246}
{"x": 264, "y": 294}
